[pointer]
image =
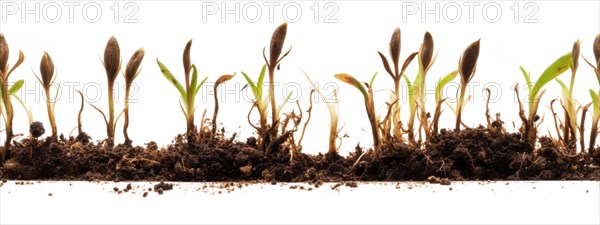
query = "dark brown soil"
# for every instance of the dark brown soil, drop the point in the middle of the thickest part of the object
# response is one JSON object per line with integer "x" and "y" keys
{"x": 473, "y": 154}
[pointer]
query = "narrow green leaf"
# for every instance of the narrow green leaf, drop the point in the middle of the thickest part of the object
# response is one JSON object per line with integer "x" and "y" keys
{"x": 527, "y": 78}
{"x": 562, "y": 85}
{"x": 251, "y": 84}
{"x": 352, "y": 81}
{"x": 194, "y": 79}
{"x": 372, "y": 79}
{"x": 261, "y": 78}
{"x": 442, "y": 82}
{"x": 199, "y": 86}
{"x": 16, "y": 87}
{"x": 595, "y": 99}
{"x": 559, "y": 66}
{"x": 171, "y": 78}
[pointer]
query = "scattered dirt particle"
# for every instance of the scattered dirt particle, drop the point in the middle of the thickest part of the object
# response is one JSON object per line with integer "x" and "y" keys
{"x": 352, "y": 184}
{"x": 450, "y": 188}
{"x": 293, "y": 187}
{"x": 246, "y": 170}
{"x": 37, "y": 129}
{"x": 162, "y": 186}
{"x": 160, "y": 191}
{"x": 116, "y": 189}
{"x": 336, "y": 186}
{"x": 50, "y": 194}
{"x": 4, "y": 180}
{"x": 128, "y": 187}
{"x": 145, "y": 194}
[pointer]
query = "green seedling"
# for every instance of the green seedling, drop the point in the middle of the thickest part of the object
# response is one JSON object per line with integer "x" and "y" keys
{"x": 47, "y": 79}
{"x": 332, "y": 106}
{"x": 416, "y": 89}
{"x": 6, "y": 104}
{"x": 188, "y": 95}
{"x": 569, "y": 104}
{"x": 439, "y": 100}
{"x": 369, "y": 106}
{"x": 536, "y": 92}
{"x": 261, "y": 101}
{"x": 396, "y": 74}
{"x": 275, "y": 49}
{"x": 13, "y": 92}
{"x": 132, "y": 70}
{"x": 112, "y": 65}
{"x": 467, "y": 66}
{"x": 220, "y": 80}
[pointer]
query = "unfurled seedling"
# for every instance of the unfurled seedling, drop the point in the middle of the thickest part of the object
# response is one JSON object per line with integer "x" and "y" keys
{"x": 131, "y": 72}
{"x": 275, "y": 49}
{"x": 569, "y": 132}
{"x": 47, "y": 78}
{"x": 188, "y": 95}
{"x": 467, "y": 66}
{"x": 222, "y": 79}
{"x": 417, "y": 89}
{"x": 369, "y": 106}
{"x": 536, "y": 92}
{"x": 261, "y": 101}
{"x": 112, "y": 65}
{"x": 396, "y": 74}
{"x": 439, "y": 101}
{"x": 332, "y": 106}
{"x": 5, "y": 72}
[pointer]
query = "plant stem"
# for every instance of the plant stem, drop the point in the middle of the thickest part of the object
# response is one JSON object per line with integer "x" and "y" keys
{"x": 214, "y": 123}
{"x": 110, "y": 128}
{"x": 51, "y": 113}
{"x": 274, "y": 115}
{"x": 126, "y": 112}
{"x": 396, "y": 111}
{"x": 593, "y": 136}
{"x": 372, "y": 118}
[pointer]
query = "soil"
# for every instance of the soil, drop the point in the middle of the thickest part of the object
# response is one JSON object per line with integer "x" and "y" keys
{"x": 472, "y": 154}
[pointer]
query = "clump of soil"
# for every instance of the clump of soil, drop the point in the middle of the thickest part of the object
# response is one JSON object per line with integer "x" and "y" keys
{"x": 472, "y": 154}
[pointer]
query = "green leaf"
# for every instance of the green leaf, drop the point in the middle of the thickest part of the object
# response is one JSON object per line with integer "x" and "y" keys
{"x": 194, "y": 79}
{"x": 16, "y": 87}
{"x": 562, "y": 85}
{"x": 171, "y": 78}
{"x": 559, "y": 66}
{"x": 352, "y": 81}
{"x": 199, "y": 86}
{"x": 284, "y": 102}
{"x": 595, "y": 99}
{"x": 251, "y": 84}
{"x": 372, "y": 79}
{"x": 442, "y": 82}
{"x": 261, "y": 78}
{"x": 411, "y": 92}
{"x": 527, "y": 78}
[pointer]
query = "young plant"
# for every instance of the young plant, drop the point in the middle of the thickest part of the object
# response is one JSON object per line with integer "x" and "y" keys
{"x": 261, "y": 101}
{"x": 467, "y": 66}
{"x": 7, "y": 110}
{"x": 595, "y": 95}
{"x": 369, "y": 106}
{"x": 188, "y": 95}
{"x": 220, "y": 80}
{"x": 332, "y": 106}
{"x": 568, "y": 103}
{"x": 396, "y": 74}
{"x": 48, "y": 77}
{"x": 112, "y": 65}
{"x": 535, "y": 94}
{"x": 275, "y": 49}
{"x": 439, "y": 101}
{"x": 131, "y": 72}
{"x": 416, "y": 89}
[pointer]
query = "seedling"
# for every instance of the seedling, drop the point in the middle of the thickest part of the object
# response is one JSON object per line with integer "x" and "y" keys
{"x": 417, "y": 89}
{"x": 131, "y": 72}
{"x": 48, "y": 77}
{"x": 395, "y": 44}
{"x": 467, "y": 66}
{"x": 275, "y": 49}
{"x": 112, "y": 65}
{"x": 595, "y": 96}
{"x": 188, "y": 95}
{"x": 439, "y": 100}
{"x": 332, "y": 106}
{"x": 536, "y": 92}
{"x": 369, "y": 106}
{"x": 5, "y": 72}
{"x": 261, "y": 101}
{"x": 222, "y": 79}
{"x": 569, "y": 132}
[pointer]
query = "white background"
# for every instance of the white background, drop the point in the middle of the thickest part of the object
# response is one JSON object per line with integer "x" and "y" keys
{"x": 224, "y": 46}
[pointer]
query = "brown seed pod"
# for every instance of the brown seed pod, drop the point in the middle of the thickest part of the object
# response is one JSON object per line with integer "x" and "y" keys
{"x": 426, "y": 51}
{"x": 112, "y": 59}
{"x": 395, "y": 49}
{"x": 3, "y": 53}
{"x": 597, "y": 50}
{"x": 277, "y": 41}
{"x": 132, "y": 69}
{"x": 575, "y": 54}
{"x": 46, "y": 69}
{"x": 187, "y": 61}
{"x": 468, "y": 62}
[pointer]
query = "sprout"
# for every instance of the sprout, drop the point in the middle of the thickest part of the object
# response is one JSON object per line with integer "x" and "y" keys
{"x": 5, "y": 92}
{"x": 568, "y": 103}
{"x": 261, "y": 101}
{"x": 275, "y": 49}
{"x": 416, "y": 89}
{"x": 395, "y": 43}
{"x": 332, "y": 106}
{"x": 47, "y": 78}
{"x": 439, "y": 100}
{"x": 369, "y": 106}
{"x": 131, "y": 72}
{"x": 112, "y": 65}
{"x": 595, "y": 119}
{"x": 220, "y": 80}
{"x": 557, "y": 68}
{"x": 467, "y": 66}
{"x": 188, "y": 95}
